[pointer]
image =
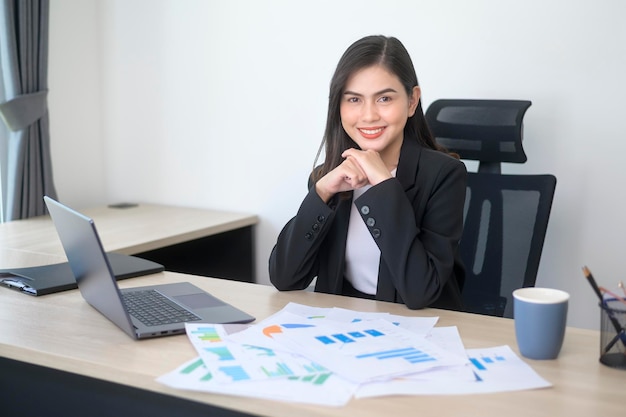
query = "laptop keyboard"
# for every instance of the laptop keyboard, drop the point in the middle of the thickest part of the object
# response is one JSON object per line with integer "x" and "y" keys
{"x": 153, "y": 309}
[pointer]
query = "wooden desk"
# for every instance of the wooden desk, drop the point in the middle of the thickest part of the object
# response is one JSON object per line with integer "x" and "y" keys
{"x": 195, "y": 241}
{"x": 62, "y": 332}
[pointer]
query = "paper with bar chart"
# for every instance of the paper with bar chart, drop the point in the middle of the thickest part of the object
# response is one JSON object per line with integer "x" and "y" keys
{"x": 234, "y": 362}
{"x": 322, "y": 388}
{"x": 328, "y": 356}
{"x": 495, "y": 369}
{"x": 257, "y": 371}
{"x": 365, "y": 350}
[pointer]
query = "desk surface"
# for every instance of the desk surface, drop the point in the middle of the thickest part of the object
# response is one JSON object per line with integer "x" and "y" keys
{"x": 61, "y": 331}
{"x": 128, "y": 231}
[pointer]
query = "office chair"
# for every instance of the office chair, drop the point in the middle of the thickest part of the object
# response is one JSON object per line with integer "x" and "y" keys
{"x": 505, "y": 216}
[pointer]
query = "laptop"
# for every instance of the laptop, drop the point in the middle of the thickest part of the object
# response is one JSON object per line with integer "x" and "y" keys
{"x": 141, "y": 312}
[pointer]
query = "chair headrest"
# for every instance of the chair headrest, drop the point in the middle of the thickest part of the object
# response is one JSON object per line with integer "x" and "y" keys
{"x": 489, "y": 131}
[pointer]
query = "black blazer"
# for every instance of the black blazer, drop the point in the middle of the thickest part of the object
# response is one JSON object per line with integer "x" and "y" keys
{"x": 416, "y": 219}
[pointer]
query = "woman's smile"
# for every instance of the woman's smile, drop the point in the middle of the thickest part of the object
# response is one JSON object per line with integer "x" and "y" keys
{"x": 371, "y": 132}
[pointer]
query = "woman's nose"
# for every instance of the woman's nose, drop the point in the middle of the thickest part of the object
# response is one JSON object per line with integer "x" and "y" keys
{"x": 370, "y": 112}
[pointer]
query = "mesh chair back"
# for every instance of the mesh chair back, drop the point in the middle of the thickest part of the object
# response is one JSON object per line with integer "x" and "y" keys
{"x": 505, "y": 222}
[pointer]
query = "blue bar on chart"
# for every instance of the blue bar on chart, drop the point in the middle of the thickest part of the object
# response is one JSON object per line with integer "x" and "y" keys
{"x": 236, "y": 373}
{"x": 325, "y": 340}
{"x": 296, "y": 325}
{"x": 222, "y": 353}
{"x": 477, "y": 364}
{"x": 484, "y": 362}
{"x": 410, "y": 354}
{"x": 349, "y": 338}
{"x": 343, "y": 338}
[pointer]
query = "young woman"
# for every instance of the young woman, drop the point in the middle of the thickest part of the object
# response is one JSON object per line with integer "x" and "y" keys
{"x": 384, "y": 212}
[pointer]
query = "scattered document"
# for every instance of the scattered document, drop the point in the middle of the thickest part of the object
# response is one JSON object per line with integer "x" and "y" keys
{"x": 235, "y": 362}
{"x": 361, "y": 351}
{"x": 323, "y": 388}
{"x": 495, "y": 369}
{"x": 327, "y": 356}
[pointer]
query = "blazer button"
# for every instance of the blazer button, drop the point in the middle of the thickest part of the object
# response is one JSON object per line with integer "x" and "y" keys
{"x": 321, "y": 218}
{"x": 376, "y": 233}
{"x": 370, "y": 222}
{"x": 308, "y": 236}
{"x": 315, "y": 227}
{"x": 365, "y": 210}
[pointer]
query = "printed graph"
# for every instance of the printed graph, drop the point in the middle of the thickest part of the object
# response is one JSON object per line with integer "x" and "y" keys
{"x": 206, "y": 334}
{"x": 349, "y": 337}
{"x": 313, "y": 367}
{"x": 235, "y": 373}
{"x": 280, "y": 369}
{"x": 316, "y": 379}
{"x": 278, "y": 328}
{"x": 484, "y": 362}
{"x": 258, "y": 350}
{"x": 222, "y": 353}
{"x": 194, "y": 366}
{"x": 226, "y": 361}
{"x": 410, "y": 354}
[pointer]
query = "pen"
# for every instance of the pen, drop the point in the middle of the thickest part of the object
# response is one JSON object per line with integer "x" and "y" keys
{"x": 621, "y": 285}
{"x": 616, "y": 325}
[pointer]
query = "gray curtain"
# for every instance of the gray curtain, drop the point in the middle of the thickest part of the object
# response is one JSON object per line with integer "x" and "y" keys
{"x": 24, "y": 109}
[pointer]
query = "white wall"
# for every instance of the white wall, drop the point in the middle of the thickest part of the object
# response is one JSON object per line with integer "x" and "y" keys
{"x": 222, "y": 104}
{"x": 75, "y": 103}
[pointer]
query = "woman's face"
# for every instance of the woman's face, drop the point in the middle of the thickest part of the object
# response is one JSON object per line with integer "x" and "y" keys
{"x": 374, "y": 109}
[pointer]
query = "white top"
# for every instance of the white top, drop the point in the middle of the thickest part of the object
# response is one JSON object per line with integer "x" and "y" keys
{"x": 362, "y": 253}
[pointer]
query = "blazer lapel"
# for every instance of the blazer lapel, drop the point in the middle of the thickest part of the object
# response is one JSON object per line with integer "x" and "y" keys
{"x": 408, "y": 166}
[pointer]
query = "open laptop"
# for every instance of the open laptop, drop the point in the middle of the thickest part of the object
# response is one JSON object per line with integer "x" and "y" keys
{"x": 172, "y": 304}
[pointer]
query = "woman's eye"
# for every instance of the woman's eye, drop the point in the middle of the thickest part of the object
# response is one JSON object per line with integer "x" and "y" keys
{"x": 353, "y": 99}
{"x": 384, "y": 99}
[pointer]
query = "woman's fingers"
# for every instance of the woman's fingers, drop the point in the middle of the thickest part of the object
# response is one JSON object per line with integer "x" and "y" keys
{"x": 354, "y": 174}
{"x": 370, "y": 163}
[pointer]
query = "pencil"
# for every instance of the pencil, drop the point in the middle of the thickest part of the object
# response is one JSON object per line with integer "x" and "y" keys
{"x": 618, "y": 328}
{"x": 592, "y": 282}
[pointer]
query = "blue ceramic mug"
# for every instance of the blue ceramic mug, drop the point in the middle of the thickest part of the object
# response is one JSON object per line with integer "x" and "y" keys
{"x": 540, "y": 319}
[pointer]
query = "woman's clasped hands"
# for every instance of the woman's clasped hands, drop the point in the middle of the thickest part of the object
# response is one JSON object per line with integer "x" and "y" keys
{"x": 359, "y": 168}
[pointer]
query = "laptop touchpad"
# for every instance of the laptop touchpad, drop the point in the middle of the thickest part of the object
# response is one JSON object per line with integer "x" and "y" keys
{"x": 198, "y": 300}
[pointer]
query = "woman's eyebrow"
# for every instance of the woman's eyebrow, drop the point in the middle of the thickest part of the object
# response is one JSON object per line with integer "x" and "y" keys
{"x": 384, "y": 91}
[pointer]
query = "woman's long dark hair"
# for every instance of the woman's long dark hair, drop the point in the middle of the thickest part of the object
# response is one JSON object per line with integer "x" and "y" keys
{"x": 366, "y": 52}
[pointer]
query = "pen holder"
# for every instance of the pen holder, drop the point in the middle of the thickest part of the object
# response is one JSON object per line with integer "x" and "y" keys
{"x": 612, "y": 333}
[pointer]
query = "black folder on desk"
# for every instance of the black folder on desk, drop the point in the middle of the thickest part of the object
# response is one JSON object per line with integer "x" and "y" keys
{"x": 47, "y": 279}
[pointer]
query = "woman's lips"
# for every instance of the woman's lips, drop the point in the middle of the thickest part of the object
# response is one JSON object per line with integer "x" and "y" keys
{"x": 372, "y": 132}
